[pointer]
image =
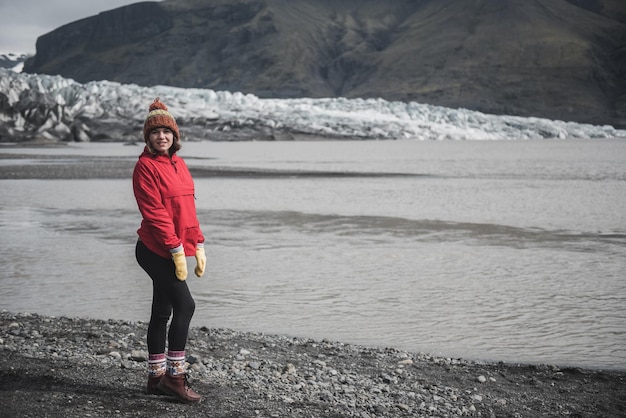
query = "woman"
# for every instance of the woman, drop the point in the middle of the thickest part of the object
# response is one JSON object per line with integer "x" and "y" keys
{"x": 169, "y": 232}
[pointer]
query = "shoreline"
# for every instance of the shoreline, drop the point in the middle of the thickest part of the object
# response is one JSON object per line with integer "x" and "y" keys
{"x": 66, "y": 167}
{"x": 71, "y": 367}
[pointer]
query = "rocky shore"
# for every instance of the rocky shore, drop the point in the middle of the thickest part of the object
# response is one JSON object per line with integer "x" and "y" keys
{"x": 79, "y": 367}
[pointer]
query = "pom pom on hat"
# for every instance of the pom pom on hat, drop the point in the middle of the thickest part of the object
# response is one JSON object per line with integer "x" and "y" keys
{"x": 159, "y": 117}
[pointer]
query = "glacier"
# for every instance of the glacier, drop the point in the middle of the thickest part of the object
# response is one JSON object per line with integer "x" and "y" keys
{"x": 53, "y": 108}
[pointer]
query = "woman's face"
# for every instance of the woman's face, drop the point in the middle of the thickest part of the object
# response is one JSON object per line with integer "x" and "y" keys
{"x": 161, "y": 140}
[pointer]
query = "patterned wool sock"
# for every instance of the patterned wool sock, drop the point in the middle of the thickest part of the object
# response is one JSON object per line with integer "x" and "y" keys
{"x": 176, "y": 362}
{"x": 156, "y": 365}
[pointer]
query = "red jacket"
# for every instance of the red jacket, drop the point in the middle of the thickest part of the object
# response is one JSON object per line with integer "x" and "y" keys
{"x": 165, "y": 195}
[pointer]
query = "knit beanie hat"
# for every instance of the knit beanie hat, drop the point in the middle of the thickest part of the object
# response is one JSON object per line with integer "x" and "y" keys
{"x": 159, "y": 117}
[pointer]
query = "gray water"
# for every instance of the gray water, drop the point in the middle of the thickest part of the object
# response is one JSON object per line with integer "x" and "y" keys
{"x": 511, "y": 251}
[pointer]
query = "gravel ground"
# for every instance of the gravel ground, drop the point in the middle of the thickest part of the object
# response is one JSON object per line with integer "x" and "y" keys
{"x": 78, "y": 367}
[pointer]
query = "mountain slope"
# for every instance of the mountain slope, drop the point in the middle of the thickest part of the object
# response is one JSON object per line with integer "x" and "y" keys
{"x": 551, "y": 58}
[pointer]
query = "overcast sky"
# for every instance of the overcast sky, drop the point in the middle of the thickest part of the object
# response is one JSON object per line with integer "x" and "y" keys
{"x": 23, "y": 21}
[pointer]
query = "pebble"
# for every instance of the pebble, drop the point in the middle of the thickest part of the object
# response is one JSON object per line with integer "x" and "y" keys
{"x": 139, "y": 355}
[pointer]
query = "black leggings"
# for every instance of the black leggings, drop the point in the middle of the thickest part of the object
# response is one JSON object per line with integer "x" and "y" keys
{"x": 168, "y": 294}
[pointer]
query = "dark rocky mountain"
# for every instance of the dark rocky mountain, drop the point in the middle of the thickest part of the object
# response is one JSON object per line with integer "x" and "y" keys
{"x": 560, "y": 59}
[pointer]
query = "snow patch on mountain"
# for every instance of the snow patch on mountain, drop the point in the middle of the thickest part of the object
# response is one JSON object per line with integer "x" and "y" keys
{"x": 14, "y": 62}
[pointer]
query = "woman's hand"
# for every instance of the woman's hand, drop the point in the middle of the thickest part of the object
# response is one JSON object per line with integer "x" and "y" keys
{"x": 200, "y": 260}
{"x": 178, "y": 255}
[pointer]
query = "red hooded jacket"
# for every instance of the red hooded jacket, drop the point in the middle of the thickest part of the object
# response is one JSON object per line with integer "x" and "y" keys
{"x": 165, "y": 195}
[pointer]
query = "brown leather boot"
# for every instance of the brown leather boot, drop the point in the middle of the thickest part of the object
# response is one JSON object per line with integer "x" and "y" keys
{"x": 179, "y": 387}
{"x": 153, "y": 385}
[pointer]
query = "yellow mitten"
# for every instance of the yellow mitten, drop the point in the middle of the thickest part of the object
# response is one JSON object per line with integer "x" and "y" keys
{"x": 178, "y": 255}
{"x": 200, "y": 260}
